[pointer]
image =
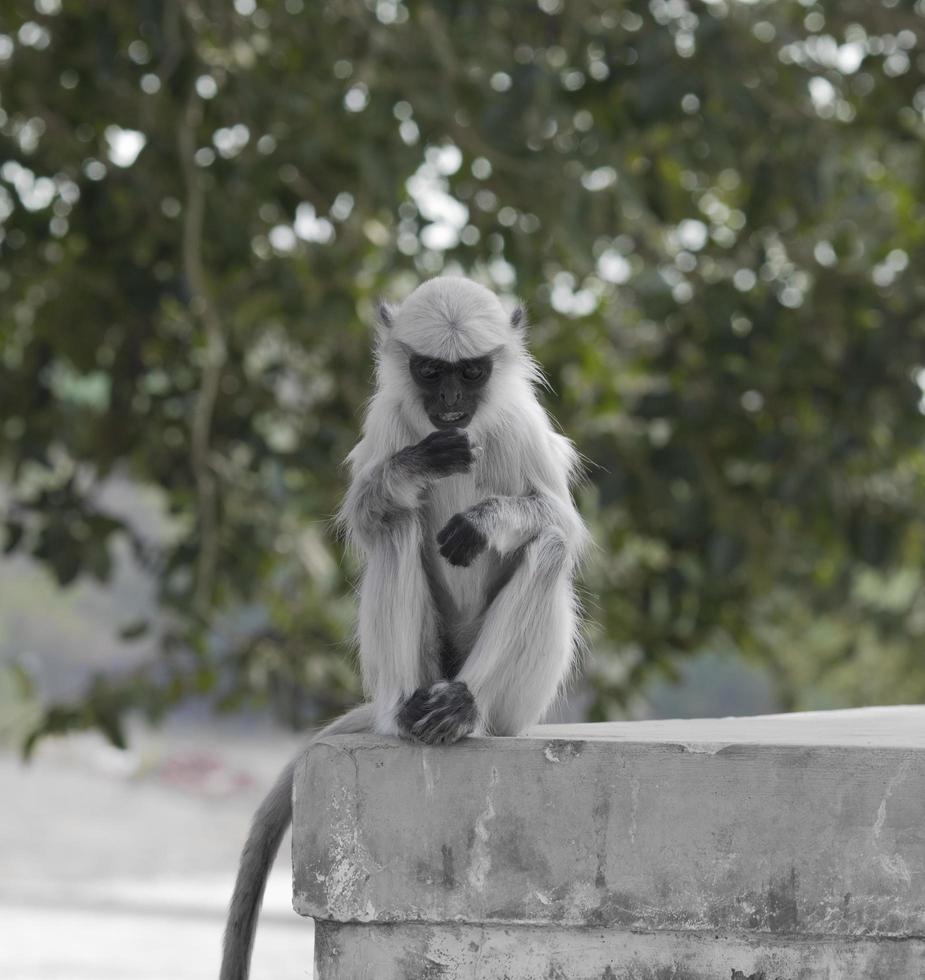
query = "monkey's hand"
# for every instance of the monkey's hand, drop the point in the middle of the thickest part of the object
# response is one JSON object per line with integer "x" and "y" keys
{"x": 436, "y": 715}
{"x": 442, "y": 453}
{"x": 461, "y": 541}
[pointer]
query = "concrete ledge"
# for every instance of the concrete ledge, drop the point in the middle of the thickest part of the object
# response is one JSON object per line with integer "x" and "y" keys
{"x": 346, "y": 951}
{"x": 789, "y": 844}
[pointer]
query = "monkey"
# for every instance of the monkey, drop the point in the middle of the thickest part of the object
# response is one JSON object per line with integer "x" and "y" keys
{"x": 460, "y": 505}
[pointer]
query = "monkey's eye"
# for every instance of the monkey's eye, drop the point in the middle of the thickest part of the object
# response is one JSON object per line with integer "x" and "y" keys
{"x": 472, "y": 371}
{"x": 426, "y": 370}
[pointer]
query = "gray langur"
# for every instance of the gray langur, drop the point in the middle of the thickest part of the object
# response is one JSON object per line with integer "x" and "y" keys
{"x": 460, "y": 503}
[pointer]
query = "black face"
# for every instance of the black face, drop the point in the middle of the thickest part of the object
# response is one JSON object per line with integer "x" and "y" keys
{"x": 450, "y": 390}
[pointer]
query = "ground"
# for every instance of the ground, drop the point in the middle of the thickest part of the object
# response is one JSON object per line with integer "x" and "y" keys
{"x": 118, "y": 866}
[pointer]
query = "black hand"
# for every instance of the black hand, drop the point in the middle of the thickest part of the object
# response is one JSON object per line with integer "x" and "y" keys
{"x": 442, "y": 453}
{"x": 461, "y": 541}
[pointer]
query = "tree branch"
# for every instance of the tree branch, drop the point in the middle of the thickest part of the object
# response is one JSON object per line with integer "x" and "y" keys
{"x": 204, "y": 309}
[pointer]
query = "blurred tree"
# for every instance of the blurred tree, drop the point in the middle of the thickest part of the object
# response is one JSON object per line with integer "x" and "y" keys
{"x": 714, "y": 212}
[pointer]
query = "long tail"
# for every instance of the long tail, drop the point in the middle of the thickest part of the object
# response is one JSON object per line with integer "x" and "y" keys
{"x": 269, "y": 825}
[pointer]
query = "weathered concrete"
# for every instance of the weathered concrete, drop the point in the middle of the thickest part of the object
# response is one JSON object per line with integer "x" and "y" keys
{"x": 780, "y": 847}
{"x": 349, "y": 951}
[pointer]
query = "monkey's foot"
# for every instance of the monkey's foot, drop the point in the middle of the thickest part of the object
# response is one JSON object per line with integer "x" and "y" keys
{"x": 436, "y": 715}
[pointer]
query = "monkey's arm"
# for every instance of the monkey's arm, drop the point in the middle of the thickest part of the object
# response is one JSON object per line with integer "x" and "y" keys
{"x": 383, "y": 492}
{"x": 506, "y": 523}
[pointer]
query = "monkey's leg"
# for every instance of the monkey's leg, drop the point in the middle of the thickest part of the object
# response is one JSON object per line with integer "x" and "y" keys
{"x": 524, "y": 648}
{"x": 398, "y": 625}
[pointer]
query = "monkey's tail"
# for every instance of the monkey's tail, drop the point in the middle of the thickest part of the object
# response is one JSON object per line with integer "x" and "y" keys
{"x": 267, "y": 829}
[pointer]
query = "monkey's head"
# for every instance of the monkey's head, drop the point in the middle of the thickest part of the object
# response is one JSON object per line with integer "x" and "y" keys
{"x": 450, "y": 350}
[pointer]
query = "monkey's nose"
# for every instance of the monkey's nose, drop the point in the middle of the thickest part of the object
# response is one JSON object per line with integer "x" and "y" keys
{"x": 451, "y": 397}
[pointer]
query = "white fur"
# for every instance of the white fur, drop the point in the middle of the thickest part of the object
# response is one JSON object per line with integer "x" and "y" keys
{"x": 521, "y": 646}
{"x": 518, "y": 494}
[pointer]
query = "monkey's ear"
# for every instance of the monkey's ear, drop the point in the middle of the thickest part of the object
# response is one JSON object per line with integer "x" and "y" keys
{"x": 385, "y": 318}
{"x": 385, "y": 314}
{"x": 519, "y": 319}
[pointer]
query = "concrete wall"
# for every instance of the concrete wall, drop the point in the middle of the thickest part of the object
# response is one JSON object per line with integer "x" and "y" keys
{"x": 771, "y": 849}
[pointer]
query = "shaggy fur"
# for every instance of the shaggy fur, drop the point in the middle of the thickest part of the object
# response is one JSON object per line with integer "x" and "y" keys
{"x": 468, "y": 620}
{"x": 509, "y": 516}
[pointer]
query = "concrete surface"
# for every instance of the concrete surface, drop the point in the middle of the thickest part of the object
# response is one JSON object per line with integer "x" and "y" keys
{"x": 776, "y": 847}
{"x": 453, "y": 951}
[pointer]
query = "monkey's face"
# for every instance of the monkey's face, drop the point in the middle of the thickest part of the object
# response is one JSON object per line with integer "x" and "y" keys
{"x": 450, "y": 390}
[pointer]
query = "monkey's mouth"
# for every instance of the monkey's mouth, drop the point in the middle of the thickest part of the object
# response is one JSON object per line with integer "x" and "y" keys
{"x": 450, "y": 420}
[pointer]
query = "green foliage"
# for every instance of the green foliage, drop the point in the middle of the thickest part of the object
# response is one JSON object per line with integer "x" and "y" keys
{"x": 713, "y": 211}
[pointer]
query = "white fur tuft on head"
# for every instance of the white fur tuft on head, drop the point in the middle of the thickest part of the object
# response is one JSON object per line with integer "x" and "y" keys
{"x": 452, "y": 319}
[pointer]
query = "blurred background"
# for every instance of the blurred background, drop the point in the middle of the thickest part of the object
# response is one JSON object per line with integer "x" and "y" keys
{"x": 714, "y": 213}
